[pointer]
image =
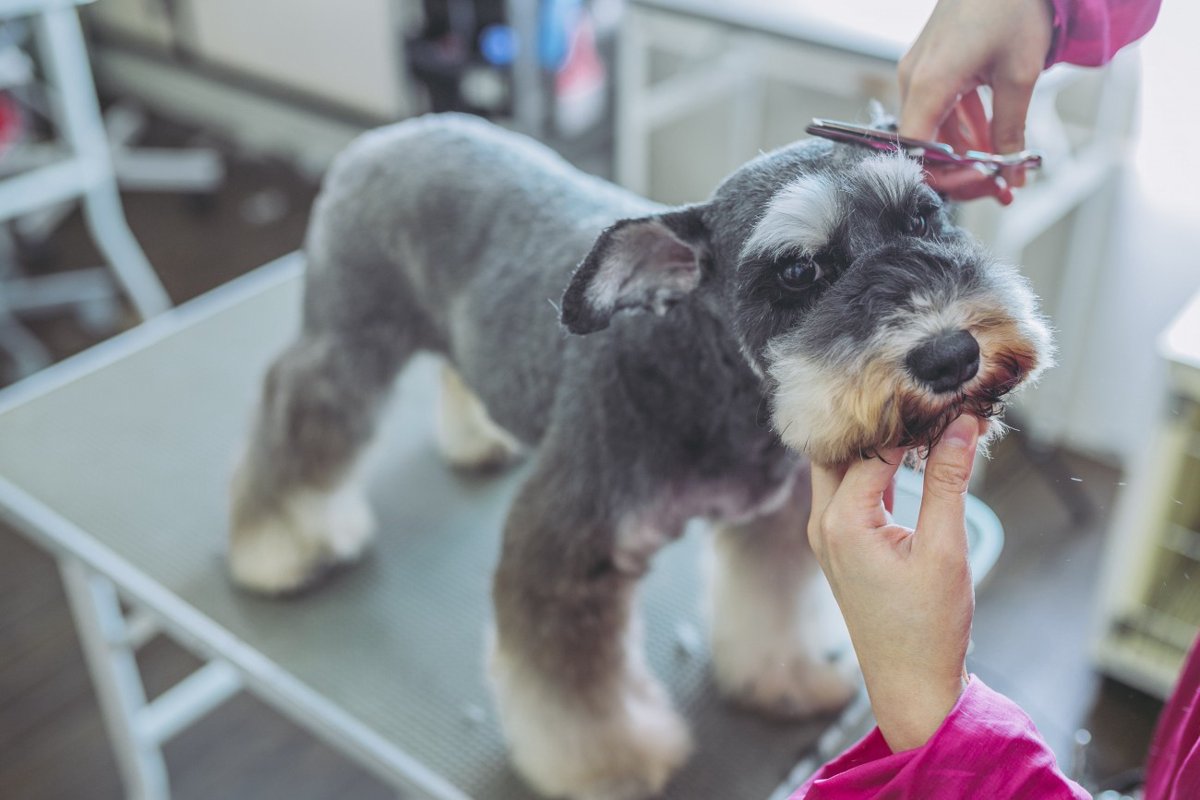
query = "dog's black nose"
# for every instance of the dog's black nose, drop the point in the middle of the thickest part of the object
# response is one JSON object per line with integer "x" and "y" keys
{"x": 946, "y": 361}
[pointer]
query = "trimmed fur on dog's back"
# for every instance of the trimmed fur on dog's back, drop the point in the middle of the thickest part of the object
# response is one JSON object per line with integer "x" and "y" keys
{"x": 503, "y": 222}
{"x": 449, "y": 212}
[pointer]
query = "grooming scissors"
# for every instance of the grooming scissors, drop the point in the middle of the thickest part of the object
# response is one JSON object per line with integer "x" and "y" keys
{"x": 929, "y": 152}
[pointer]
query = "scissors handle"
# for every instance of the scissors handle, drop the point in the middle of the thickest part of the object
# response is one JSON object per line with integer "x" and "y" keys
{"x": 930, "y": 152}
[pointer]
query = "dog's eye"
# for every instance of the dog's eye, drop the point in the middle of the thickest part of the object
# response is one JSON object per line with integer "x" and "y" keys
{"x": 917, "y": 224}
{"x": 799, "y": 275}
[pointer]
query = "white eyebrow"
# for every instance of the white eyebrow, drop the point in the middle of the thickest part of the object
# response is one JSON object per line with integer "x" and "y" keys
{"x": 891, "y": 177}
{"x": 802, "y": 216}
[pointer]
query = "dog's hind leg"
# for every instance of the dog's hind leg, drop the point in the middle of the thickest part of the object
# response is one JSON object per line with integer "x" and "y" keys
{"x": 779, "y": 644}
{"x": 296, "y": 507}
{"x": 584, "y": 717}
{"x": 467, "y": 436}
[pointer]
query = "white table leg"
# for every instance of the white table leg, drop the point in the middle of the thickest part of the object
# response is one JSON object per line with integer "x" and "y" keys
{"x": 103, "y": 636}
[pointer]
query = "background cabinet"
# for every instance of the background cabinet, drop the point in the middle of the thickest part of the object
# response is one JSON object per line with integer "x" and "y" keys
{"x": 1151, "y": 591}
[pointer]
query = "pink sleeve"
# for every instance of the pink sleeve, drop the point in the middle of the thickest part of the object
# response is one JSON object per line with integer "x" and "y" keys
{"x": 987, "y": 747}
{"x": 1173, "y": 769}
{"x": 1090, "y": 32}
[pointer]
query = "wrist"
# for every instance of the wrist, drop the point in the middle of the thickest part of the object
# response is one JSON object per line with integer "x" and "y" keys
{"x": 909, "y": 713}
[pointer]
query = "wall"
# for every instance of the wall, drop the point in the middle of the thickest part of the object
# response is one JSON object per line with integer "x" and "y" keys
{"x": 1154, "y": 263}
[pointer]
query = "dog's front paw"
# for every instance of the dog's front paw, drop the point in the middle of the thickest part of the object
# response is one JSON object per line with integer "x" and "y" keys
{"x": 787, "y": 685}
{"x": 625, "y": 748}
{"x": 287, "y": 548}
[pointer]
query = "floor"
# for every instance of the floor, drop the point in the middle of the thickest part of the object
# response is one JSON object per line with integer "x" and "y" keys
{"x": 1031, "y": 630}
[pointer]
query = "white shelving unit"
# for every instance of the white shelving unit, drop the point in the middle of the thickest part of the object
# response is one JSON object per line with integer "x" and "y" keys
{"x": 1151, "y": 582}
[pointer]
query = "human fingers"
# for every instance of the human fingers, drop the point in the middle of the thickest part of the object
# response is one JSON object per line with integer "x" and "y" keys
{"x": 1010, "y": 107}
{"x": 968, "y": 183}
{"x": 867, "y": 481}
{"x": 825, "y": 482}
{"x": 940, "y": 523}
{"x": 929, "y": 98}
{"x": 951, "y": 132}
{"x": 973, "y": 122}
{"x": 967, "y": 129}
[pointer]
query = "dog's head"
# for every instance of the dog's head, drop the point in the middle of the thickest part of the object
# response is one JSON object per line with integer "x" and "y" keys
{"x": 871, "y": 318}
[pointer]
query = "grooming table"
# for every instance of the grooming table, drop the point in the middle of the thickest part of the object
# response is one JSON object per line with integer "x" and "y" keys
{"x": 118, "y": 462}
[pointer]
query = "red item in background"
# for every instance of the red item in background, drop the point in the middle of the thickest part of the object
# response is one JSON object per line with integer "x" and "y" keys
{"x": 12, "y": 122}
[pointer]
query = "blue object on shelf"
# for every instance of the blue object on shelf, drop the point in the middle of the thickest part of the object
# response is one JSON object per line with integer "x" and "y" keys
{"x": 498, "y": 45}
{"x": 556, "y": 26}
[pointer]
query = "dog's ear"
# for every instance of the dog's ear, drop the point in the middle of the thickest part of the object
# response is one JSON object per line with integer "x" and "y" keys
{"x": 649, "y": 263}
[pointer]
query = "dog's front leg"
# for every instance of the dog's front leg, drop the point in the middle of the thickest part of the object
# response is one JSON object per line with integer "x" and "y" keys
{"x": 779, "y": 644}
{"x": 583, "y": 715}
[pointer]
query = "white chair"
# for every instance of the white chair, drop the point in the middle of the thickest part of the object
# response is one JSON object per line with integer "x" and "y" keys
{"x": 85, "y": 173}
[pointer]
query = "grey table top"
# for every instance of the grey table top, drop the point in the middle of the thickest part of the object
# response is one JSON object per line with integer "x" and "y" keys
{"x": 122, "y": 457}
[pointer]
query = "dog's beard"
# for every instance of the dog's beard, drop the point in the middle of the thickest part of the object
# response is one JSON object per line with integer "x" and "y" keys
{"x": 863, "y": 400}
{"x": 924, "y": 418}
{"x": 835, "y": 416}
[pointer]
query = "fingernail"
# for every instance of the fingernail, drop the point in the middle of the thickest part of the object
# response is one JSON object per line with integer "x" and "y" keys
{"x": 963, "y": 432}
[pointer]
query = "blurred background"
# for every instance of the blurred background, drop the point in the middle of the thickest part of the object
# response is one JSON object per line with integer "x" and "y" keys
{"x": 220, "y": 116}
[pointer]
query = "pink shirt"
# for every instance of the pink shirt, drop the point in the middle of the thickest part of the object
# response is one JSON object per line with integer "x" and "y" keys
{"x": 1173, "y": 766}
{"x": 989, "y": 748}
{"x": 1090, "y": 32}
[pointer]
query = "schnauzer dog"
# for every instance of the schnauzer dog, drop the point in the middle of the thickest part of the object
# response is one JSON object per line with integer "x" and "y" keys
{"x": 820, "y": 305}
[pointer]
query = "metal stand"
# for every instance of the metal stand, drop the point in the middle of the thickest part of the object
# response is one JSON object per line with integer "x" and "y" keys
{"x": 136, "y": 728}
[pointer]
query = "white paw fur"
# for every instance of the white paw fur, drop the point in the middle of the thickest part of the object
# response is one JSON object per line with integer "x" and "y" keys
{"x": 626, "y": 750}
{"x": 466, "y": 435}
{"x": 283, "y": 550}
{"x": 779, "y": 644}
{"x": 786, "y": 684}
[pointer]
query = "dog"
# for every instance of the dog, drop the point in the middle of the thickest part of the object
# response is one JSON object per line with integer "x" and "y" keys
{"x": 658, "y": 364}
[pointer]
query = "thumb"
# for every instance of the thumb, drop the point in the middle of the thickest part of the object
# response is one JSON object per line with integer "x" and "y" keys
{"x": 947, "y": 473}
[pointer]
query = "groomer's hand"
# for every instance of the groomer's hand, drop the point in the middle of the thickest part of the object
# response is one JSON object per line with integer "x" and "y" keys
{"x": 906, "y": 595}
{"x": 964, "y": 45}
